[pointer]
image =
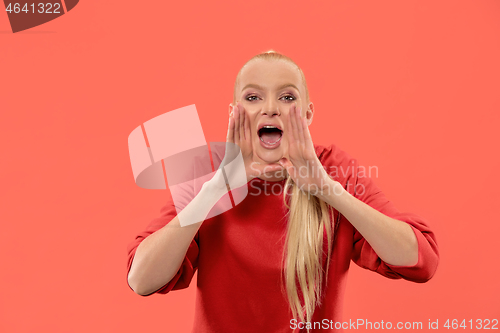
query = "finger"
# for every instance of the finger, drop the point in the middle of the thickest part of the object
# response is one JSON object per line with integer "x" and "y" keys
{"x": 291, "y": 138}
{"x": 300, "y": 125}
{"x": 236, "y": 125}
{"x": 307, "y": 133}
{"x": 288, "y": 166}
{"x": 285, "y": 163}
{"x": 293, "y": 120}
{"x": 242, "y": 123}
{"x": 247, "y": 126}
{"x": 230, "y": 130}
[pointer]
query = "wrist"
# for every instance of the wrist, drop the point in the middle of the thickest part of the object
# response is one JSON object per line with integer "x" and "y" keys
{"x": 216, "y": 186}
{"x": 208, "y": 196}
{"x": 331, "y": 192}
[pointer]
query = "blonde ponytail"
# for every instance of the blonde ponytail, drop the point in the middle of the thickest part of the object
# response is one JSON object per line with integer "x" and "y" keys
{"x": 308, "y": 220}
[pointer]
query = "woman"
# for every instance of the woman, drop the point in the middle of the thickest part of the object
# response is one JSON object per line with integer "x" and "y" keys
{"x": 278, "y": 261}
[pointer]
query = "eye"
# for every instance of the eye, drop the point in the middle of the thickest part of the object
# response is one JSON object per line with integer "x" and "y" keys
{"x": 248, "y": 98}
{"x": 292, "y": 98}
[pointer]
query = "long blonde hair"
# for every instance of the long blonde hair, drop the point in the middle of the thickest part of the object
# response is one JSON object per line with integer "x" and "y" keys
{"x": 308, "y": 221}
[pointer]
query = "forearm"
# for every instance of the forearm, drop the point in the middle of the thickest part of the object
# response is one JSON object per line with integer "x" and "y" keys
{"x": 394, "y": 241}
{"x": 160, "y": 255}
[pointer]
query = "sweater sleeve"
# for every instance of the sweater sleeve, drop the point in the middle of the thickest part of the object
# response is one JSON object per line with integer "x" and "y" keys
{"x": 363, "y": 254}
{"x": 184, "y": 275}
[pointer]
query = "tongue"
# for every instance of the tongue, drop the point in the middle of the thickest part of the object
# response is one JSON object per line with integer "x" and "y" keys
{"x": 270, "y": 137}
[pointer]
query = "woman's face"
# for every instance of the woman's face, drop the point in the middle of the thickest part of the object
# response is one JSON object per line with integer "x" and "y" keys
{"x": 267, "y": 90}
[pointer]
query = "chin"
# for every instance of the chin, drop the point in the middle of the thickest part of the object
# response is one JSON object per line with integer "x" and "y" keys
{"x": 270, "y": 155}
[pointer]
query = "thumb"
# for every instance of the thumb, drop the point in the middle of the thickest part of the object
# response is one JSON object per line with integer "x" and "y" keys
{"x": 273, "y": 167}
{"x": 286, "y": 164}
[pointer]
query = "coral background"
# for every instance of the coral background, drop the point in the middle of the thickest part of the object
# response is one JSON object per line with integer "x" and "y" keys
{"x": 411, "y": 87}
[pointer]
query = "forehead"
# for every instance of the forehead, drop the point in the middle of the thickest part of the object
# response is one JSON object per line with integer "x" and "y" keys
{"x": 270, "y": 74}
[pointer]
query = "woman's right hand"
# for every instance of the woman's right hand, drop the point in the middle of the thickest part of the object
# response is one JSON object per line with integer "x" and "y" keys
{"x": 239, "y": 133}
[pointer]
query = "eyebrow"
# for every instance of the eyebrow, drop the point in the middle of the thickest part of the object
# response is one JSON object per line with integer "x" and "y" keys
{"x": 283, "y": 86}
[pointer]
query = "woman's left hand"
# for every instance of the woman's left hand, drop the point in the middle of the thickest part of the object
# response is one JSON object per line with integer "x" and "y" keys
{"x": 302, "y": 163}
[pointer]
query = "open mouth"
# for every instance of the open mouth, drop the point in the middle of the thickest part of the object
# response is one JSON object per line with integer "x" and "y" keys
{"x": 270, "y": 136}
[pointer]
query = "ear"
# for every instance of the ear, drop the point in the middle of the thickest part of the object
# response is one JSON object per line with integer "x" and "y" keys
{"x": 230, "y": 110}
{"x": 310, "y": 113}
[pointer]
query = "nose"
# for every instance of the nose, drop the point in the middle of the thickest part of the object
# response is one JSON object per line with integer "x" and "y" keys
{"x": 270, "y": 110}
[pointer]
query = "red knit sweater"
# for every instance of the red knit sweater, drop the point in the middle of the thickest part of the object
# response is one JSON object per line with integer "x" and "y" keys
{"x": 238, "y": 255}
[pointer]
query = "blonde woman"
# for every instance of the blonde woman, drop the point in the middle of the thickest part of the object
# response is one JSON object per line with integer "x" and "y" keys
{"x": 278, "y": 261}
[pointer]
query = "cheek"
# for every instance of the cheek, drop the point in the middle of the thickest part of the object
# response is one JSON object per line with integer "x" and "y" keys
{"x": 253, "y": 118}
{"x": 285, "y": 122}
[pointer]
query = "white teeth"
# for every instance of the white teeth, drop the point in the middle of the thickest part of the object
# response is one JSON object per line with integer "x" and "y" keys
{"x": 270, "y": 143}
{"x": 267, "y": 126}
